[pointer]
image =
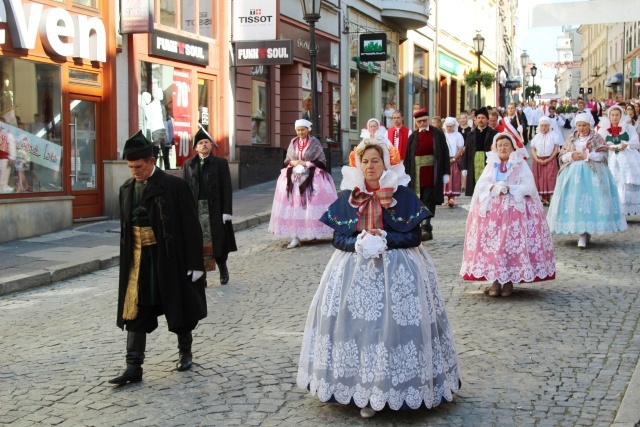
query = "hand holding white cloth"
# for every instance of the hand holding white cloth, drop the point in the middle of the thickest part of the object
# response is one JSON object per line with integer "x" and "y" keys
{"x": 195, "y": 275}
{"x": 445, "y": 179}
{"x": 464, "y": 172}
{"x": 226, "y": 218}
{"x": 371, "y": 246}
{"x": 519, "y": 128}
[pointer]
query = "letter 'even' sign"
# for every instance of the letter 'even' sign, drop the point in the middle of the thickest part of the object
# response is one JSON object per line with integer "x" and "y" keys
{"x": 62, "y": 34}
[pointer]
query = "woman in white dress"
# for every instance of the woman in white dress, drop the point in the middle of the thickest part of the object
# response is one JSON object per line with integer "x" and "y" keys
{"x": 377, "y": 332}
{"x": 624, "y": 158}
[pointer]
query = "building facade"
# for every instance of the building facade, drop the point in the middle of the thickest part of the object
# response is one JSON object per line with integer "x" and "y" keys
{"x": 58, "y": 73}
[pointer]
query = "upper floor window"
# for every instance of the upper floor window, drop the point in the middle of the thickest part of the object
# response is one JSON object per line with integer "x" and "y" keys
{"x": 195, "y": 16}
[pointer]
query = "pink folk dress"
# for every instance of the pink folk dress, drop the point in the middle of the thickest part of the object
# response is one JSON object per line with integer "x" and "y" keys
{"x": 303, "y": 194}
{"x": 507, "y": 236}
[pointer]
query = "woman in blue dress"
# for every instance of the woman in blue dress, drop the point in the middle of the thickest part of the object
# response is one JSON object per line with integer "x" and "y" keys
{"x": 585, "y": 200}
{"x": 377, "y": 332}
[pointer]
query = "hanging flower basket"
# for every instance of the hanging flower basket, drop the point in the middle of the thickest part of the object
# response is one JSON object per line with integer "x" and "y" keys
{"x": 486, "y": 79}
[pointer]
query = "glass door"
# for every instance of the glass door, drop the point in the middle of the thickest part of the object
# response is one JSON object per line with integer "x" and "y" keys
{"x": 84, "y": 162}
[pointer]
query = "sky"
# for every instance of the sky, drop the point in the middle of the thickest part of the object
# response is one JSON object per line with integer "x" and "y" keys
{"x": 539, "y": 42}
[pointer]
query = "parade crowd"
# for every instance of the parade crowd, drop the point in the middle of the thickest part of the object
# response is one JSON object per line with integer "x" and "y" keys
{"x": 377, "y": 332}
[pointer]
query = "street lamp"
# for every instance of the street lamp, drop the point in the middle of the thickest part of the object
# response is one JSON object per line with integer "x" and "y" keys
{"x": 534, "y": 71}
{"x": 524, "y": 61}
{"x": 525, "y": 80}
{"x": 478, "y": 46}
{"x": 311, "y": 14}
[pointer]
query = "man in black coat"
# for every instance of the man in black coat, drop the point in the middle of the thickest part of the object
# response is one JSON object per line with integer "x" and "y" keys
{"x": 209, "y": 179}
{"x": 427, "y": 163}
{"x": 161, "y": 265}
{"x": 476, "y": 145}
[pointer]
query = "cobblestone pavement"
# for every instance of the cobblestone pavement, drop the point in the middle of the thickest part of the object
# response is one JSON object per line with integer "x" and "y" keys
{"x": 557, "y": 353}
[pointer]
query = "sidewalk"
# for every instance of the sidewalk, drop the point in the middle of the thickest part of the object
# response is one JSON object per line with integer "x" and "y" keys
{"x": 43, "y": 260}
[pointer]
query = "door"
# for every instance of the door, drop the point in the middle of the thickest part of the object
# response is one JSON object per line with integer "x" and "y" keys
{"x": 85, "y": 163}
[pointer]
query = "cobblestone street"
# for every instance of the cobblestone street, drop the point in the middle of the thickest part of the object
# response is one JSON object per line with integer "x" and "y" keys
{"x": 556, "y": 353}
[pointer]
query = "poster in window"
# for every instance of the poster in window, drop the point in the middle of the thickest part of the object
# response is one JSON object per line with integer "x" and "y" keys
{"x": 181, "y": 98}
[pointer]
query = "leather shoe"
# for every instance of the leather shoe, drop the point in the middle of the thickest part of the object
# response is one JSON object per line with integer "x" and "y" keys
{"x": 224, "y": 274}
{"x": 185, "y": 362}
{"x": 494, "y": 290}
{"x": 426, "y": 235}
{"x": 133, "y": 374}
{"x": 507, "y": 290}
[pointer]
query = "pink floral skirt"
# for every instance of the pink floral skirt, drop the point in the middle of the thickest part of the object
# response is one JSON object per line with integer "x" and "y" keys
{"x": 452, "y": 188}
{"x": 508, "y": 245}
{"x": 296, "y": 215}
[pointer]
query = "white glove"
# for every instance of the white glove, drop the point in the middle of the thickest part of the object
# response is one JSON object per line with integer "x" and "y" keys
{"x": 226, "y": 218}
{"x": 195, "y": 275}
{"x": 299, "y": 169}
{"x": 464, "y": 172}
{"x": 519, "y": 128}
{"x": 371, "y": 246}
{"x": 445, "y": 179}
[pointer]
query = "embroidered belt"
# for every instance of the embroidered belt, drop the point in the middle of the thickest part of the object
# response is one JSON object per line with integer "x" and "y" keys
{"x": 142, "y": 236}
{"x": 421, "y": 161}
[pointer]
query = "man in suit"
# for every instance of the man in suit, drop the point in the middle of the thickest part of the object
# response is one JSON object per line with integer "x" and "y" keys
{"x": 426, "y": 161}
{"x": 209, "y": 179}
{"x": 476, "y": 145}
{"x": 161, "y": 268}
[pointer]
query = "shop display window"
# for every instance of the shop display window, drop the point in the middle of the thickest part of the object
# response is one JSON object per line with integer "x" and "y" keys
{"x": 389, "y": 91}
{"x": 420, "y": 61}
{"x": 353, "y": 100}
{"x": 164, "y": 112}
{"x": 30, "y": 127}
{"x": 260, "y": 112}
{"x": 198, "y": 21}
{"x": 335, "y": 114}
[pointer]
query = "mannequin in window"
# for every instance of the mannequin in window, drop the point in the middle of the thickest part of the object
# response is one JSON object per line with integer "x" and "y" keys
{"x": 7, "y": 157}
{"x": 144, "y": 99}
{"x": 7, "y": 110}
{"x": 155, "y": 120}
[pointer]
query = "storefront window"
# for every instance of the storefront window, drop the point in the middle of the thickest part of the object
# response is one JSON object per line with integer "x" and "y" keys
{"x": 390, "y": 66}
{"x": 206, "y": 18}
{"x": 260, "y": 109}
{"x": 164, "y": 112}
{"x": 168, "y": 13}
{"x": 388, "y": 103}
{"x": 201, "y": 24}
{"x": 353, "y": 100}
{"x": 203, "y": 104}
{"x": 30, "y": 127}
{"x": 90, "y": 3}
{"x": 420, "y": 61}
{"x": 335, "y": 122}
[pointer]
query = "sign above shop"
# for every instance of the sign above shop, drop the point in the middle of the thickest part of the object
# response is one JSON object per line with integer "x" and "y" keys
{"x": 373, "y": 47}
{"x": 447, "y": 63}
{"x": 136, "y": 16}
{"x": 62, "y": 34}
{"x": 253, "y": 20}
{"x": 268, "y": 52}
{"x": 179, "y": 48}
{"x": 302, "y": 43}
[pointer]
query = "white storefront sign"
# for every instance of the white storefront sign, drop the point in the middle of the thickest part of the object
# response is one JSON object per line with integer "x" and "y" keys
{"x": 254, "y": 20}
{"x": 62, "y": 33}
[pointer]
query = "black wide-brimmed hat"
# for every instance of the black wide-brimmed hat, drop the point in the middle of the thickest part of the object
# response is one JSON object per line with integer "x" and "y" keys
{"x": 199, "y": 136}
{"x": 137, "y": 147}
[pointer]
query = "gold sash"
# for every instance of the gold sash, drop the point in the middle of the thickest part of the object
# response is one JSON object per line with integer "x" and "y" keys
{"x": 426, "y": 160}
{"x": 142, "y": 236}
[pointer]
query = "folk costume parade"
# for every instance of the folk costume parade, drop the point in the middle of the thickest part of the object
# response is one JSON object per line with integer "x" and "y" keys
{"x": 377, "y": 332}
{"x": 585, "y": 200}
{"x": 624, "y": 158}
{"x": 161, "y": 262}
{"x": 304, "y": 190}
{"x": 209, "y": 179}
{"x": 427, "y": 164}
{"x": 507, "y": 238}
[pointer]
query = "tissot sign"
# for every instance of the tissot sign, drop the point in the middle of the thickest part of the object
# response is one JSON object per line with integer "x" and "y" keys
{"x": 254, "y": 20}
{"x": 179, "y": 48}
{"x": 269, "y": 52}
{"x": 62, "y": 34}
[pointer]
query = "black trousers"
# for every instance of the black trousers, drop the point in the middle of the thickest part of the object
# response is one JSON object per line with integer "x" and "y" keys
{"x": 222, "y": 259}
{"x": 165, "y": 157}
{"x": 147, "y": 321}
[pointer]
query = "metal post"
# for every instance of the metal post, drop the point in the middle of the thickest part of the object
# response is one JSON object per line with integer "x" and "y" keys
{"x": 478, "y": 83}
{"x": 313, "y": 54}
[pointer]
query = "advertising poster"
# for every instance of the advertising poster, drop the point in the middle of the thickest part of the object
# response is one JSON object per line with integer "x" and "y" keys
{"x": 19, "y": 143}
{"x": 182, "y": 114}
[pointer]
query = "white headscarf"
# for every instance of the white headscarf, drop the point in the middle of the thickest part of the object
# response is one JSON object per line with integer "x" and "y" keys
{"x": 303, "y": 123}
{"x": 451, "y": 121}
{"x": 393, "y": 175}
{"x": 584, "y": 117}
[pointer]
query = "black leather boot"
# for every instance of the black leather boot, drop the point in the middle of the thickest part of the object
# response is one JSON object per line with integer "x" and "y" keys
{"x": 136, "y": 344}
{"x": 184, "y": 346}
{"x": 224, "y": 274}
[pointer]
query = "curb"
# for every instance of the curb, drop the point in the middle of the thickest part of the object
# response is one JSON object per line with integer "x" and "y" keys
{"x": 629, "y": 411}
{"x": 44, "y": 277}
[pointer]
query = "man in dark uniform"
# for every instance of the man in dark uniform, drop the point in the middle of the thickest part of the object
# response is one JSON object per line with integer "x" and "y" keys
{"x": 161, "y": 265}
{"x": 476, "y": 145}
{"x": 209, "y": 178}
{"x": 427, "y": 163}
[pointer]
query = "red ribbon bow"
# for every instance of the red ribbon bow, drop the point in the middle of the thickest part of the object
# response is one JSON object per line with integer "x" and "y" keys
{"x": 371, "y": 207}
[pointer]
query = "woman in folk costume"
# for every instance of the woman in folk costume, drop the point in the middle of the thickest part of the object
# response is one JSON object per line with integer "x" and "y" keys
{"x": 585, "y": 200}
{"x": 455, "y": 142}
{"x": 377, "y": 332}
{"x": 304, "y": 190}
{"x": 624, "y": 158}
{"x": 544, "y": 148}
{"x": 507, "y": 239}
{"x": 376, "y": 131}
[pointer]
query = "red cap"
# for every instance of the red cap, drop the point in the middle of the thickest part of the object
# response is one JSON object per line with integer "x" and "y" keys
{"x": 420, "y": 113}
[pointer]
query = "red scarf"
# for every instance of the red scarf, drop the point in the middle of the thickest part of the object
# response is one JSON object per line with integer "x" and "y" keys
{"x": 615, "y": 130}
{"x": 370, "y": 213}
{"x": 302, "y": 144}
